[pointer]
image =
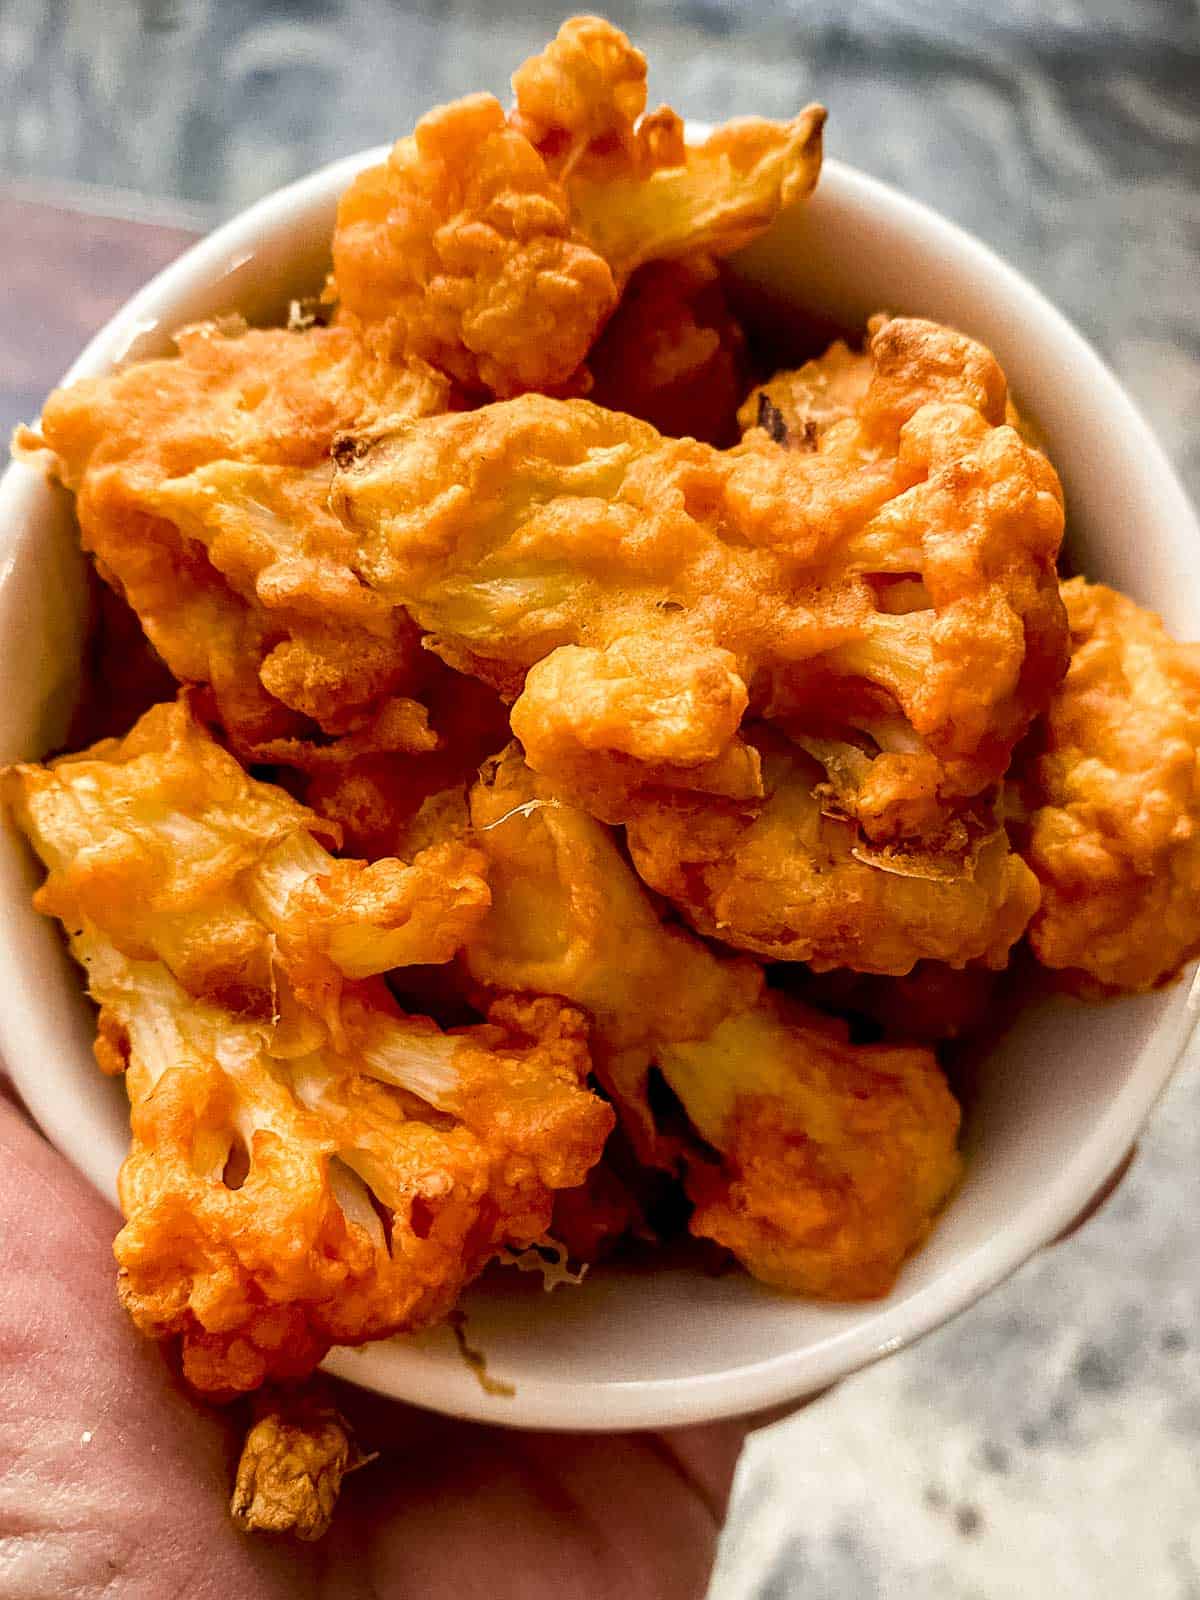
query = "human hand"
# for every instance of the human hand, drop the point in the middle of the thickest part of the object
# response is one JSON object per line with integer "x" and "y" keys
{"x": 115, "y": 1482}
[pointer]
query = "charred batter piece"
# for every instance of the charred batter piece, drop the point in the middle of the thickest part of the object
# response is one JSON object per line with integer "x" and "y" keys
{"x": 496, "y": 246}
{"x": 823, "y": 1163}
{"x": 629, "y": 591}
{"x": 770, "y": 419}
{"x": 1113, "y": 786}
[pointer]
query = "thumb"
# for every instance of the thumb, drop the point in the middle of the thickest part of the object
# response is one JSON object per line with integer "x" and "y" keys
{"x": 114, "y": 1481}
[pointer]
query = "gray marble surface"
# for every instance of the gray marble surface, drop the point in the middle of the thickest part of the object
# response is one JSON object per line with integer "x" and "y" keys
{"x": 1048, "y": 1442}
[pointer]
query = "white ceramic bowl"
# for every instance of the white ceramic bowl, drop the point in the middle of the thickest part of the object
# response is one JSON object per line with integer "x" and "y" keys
{"x": 1059, "y": 1101}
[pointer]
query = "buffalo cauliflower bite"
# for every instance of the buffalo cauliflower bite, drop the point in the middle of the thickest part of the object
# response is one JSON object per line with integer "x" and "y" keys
{"x": 292, "y": 1464}
{"x": 797, "y": 407}
{"x": 201, "y": 485}
{"x": 581, "y": 100}
{"x": 1113, "y": 785}
{"x": 163, "y": 842}
{"x": 460, "y": 249}
{"x": 568, "y": 917}
{"x": 789, "y": 881}
{"x": 496, "y": 247}
{"x": 277, "y": 1207}
{"x": 828, "y": 1161}
{"x": 632, "y": 590}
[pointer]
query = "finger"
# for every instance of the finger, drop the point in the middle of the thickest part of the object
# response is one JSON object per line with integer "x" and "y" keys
{"x": 116, "y": 1482}
{"x": 491, "y": 1512}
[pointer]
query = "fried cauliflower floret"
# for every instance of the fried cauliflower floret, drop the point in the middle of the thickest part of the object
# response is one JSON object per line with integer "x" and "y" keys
{"x": 274, "y": 1208}
{"x": 797, "y": 407}
{"x": 673, "y": 353}
{"x": 202, "y": 484}
{"x": 495, "y": 248}
{"x": 581, "y": 100}
{"x": 831, "y": 1159}
{"x": 462, "y": 250}
{"x": 569, "y": 917}
{"x": 629, "y": 589}
{"x": 163, "y": 842}
{"x": 782, "y": 878}
{"x": 1114, "y": 787}
{"x": 704, "y": 199}
{"x": 856, "y": 1146}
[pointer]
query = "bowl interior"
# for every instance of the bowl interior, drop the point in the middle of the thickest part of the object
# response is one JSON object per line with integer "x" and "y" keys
{"x": 1054, "y": 1105}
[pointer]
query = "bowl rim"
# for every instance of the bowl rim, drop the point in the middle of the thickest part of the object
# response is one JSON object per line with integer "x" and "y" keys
{"x": 598, "y": 1405}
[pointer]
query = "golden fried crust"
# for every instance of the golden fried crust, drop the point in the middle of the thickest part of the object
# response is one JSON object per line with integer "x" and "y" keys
{"x": 1114, "y": 784}
{"x": 202, "y": 484}
{"x": 496, "y": 248}
{"x": 265, "y": 395}
{"x": 580, "y": 101}
{"x": 834, "y": 1158}
{"x": 165, "y": 843}
{"x": 274, "y": 1207}
{"x": 462, "y": 246}
{"x": 789, "y": 882}
{"x": 823, "y": 1163}
{"x": 568, "y": 917}
{"x": 798, "y": 407}
{"x": 704, "y": 199}
{"x": 904, "y": 569}
{"x": 673, "y": 353}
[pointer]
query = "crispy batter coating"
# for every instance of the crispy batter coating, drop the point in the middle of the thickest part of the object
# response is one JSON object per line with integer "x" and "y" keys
{"x": 462, "y": 250}
{"x": 782, "y": 878}
{"x": 309, "y": 1165}
{"x": 831, "y": 1158}
{"x": 164, "y": 842}
{"x": 631, "y": 589}
{"x": 797, "y": 407}
{"x": 1114, "y": 787}
{"x": 495, "y": 248}
{"x": 673, "y": 353}
{"x": 202, "y": 484}
{"x": 580, "y": 102}
{"x": 275, "y": 1206}
{"x": 568, "y": 917}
